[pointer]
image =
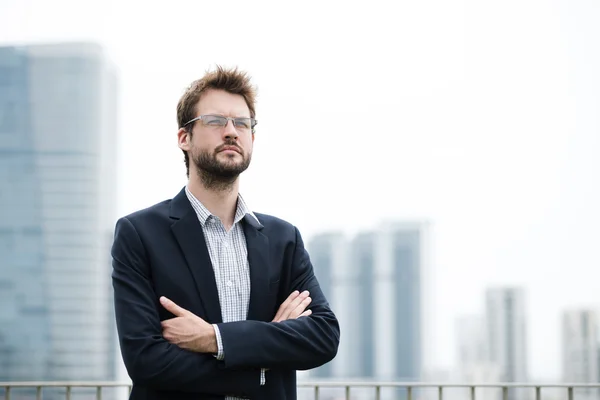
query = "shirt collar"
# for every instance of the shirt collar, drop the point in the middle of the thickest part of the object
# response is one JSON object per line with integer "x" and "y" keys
{"x": 241, "y": 211}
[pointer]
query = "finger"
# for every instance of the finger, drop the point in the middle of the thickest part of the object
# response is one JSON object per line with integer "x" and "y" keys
{"x": 168, "y": 322}
{"x": 172, "y": 307}
{"x": 305, "y": 313}
{"x": 295, "y": 303}
{"x": 284, "y": 305}
{"x": 289, "y": 299}
{"x": 300, "y": 308}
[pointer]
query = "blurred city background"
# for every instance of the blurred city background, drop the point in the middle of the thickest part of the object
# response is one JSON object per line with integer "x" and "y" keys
{"x": 440, "y": 158}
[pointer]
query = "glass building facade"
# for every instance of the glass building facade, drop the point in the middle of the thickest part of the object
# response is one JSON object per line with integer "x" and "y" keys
{"x": 375, "y": 283}
{"x": 57, "y": 212}
{"x": 322, "y": 256}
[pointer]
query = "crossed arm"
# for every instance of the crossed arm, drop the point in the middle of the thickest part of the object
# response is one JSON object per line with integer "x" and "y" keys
{"x": 154, "y": 361}
{"x": 191, "y": 332}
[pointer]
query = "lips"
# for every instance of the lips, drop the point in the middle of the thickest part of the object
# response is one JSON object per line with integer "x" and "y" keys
{"x": 232, "y": 148}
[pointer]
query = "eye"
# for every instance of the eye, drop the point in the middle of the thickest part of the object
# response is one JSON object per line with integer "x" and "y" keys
{"x": 214, "y": 120}
{"x": 242, "y": 123}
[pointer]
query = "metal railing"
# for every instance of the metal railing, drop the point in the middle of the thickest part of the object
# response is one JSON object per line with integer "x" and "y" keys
{"x": 347, "y": 387}
{"x": 441, "y": 389}
{"x": 39, "y": 387}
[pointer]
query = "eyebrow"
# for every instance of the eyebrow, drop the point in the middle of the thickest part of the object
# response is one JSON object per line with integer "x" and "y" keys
{"x": 224, "y": 115}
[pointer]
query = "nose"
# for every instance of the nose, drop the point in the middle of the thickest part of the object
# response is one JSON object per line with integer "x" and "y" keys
{"x": 230, "y": 132}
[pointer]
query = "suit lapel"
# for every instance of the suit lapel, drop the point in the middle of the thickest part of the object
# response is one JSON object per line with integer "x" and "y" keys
{"x": 258, "y": 251}
{"x": 189, "y": 235}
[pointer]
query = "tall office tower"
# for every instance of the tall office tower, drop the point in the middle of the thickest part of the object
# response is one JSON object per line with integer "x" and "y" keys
{"x": 362, "y": 257}
{"x": 345, "y": 272}
{"x": 57, "y": 213}
{"x": 328, "y": 252}
{"x": 377, "y": 286}
{"x": 506, "y": 334}
{"x": 581, "y": 349}
{"x": 399, "y": 275}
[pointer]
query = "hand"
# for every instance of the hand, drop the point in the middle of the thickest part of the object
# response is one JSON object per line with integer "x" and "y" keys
{"x": 187, "y": 330}
{"x": 294, "y": 307}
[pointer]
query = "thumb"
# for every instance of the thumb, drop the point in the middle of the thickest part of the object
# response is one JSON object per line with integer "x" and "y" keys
{"x": 172, "y": 307}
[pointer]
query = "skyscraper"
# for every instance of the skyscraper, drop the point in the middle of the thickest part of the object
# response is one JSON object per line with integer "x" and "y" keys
{"x": 329, "y": 258}
{"x": 362, "y": 256}
{"x": 581, "y": 349}
{"x": 398, "y": 300}
{"x": 506, "y": 333}
{"x": 57, "y": 211}
{"x": 375, "y": 285}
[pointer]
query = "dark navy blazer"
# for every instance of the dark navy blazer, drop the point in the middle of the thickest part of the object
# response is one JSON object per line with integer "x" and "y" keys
{"x": 161, "y": 251}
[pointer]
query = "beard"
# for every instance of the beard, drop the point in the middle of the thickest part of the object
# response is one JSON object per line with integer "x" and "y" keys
{"x": 216, "y": 174}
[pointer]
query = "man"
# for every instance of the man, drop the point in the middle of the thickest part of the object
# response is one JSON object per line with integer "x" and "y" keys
{"x": 212, "y": 299}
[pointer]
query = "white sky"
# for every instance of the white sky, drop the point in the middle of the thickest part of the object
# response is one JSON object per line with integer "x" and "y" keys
{"x": 479, "y": 116}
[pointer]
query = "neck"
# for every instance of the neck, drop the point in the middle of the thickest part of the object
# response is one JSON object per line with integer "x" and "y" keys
{"x": 220, "y": 200}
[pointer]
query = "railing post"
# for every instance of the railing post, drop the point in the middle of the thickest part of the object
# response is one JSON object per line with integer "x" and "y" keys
{"x": 347, "y": 392}
{"x": 440, "y": 392}
{"x": 99, "y": 393}
{"x": 377, "y": 392}
{"x": 538, "y": 393}
{"x": 570, "y": 392}
{"x": 472, "y": 392}
{"x": 505, "y": 392}
{"x": 316, "y": 392}
{"x": 68, "y": 396}
{"x": 38, "y": 393}
{"x": 409, "y": 393}
{"x": 7, "y": 392}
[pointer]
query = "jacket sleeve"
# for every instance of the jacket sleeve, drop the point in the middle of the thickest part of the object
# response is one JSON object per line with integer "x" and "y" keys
{"x": 149, "y": 358}
{"x": 303, "y": 343}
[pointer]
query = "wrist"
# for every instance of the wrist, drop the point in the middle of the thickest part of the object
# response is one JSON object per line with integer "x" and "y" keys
{"x": 212, "y": 346}
{"x": 205, "y": 341}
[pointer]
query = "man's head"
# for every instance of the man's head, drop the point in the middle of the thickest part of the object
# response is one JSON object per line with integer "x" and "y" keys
{"x": 217, "y": 149}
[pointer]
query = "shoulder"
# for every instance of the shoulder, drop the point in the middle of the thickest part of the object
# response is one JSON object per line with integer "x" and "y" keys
{"x": 148, "y": 215}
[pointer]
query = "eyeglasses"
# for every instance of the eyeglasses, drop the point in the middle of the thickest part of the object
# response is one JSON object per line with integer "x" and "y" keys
{"x": 218, "y": 121}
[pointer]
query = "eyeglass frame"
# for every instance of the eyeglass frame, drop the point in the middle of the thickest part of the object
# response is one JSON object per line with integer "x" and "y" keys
{"x": 253, "y": 122}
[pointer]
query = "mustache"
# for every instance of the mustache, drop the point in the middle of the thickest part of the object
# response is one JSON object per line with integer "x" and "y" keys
{"x": 229, "y": 144}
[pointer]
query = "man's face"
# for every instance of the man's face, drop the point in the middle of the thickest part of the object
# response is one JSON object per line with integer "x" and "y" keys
{"x": 220, "y": 152}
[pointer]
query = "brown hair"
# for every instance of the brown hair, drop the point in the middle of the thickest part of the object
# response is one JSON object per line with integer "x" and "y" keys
{"x": 229, "y": 80}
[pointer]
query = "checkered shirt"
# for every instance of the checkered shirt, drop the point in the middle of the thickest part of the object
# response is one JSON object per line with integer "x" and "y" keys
{"x": 229, "y": 258}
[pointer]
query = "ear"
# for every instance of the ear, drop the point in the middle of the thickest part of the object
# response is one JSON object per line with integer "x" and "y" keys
{"x": 183, "y": 139}
{"x": 252, "y": 137}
